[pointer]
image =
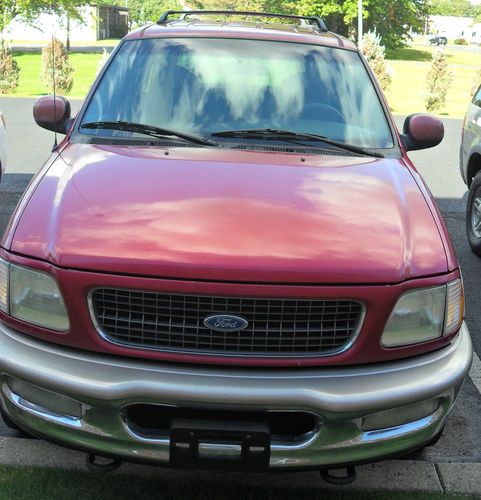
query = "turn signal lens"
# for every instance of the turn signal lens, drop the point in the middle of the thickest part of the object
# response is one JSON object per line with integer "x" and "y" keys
{"x": 454, "y": 306}
{"x": 4, "y": 286}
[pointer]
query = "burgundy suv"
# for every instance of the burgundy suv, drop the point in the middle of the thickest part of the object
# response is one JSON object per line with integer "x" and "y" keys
{"x": 230, "y": 260}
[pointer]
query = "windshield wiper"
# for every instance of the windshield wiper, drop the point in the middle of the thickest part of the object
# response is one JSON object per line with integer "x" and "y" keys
{"x": 288, "y": 135}
{"x": 151, "y": 131}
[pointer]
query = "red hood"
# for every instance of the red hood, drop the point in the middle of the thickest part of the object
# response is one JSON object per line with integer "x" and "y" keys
{"x": 231, "y": 216}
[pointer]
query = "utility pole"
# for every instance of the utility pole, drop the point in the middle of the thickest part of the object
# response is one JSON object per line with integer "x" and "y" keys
{"x": 359, "y": 24}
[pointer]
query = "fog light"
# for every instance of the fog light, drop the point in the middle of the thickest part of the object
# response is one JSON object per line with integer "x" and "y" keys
{"x": 399, "y": 416}
{"x": 49, "y": 401}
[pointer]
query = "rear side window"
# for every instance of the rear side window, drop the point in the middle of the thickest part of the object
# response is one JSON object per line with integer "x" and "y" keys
{"x": 203, "y": 85}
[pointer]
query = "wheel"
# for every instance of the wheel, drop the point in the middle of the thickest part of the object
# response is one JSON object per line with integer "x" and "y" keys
{"x": 473, "y": 215}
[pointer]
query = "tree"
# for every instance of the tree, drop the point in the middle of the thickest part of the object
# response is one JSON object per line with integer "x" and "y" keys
{"x": 476, "y": 82}
{"x": 145, "y": 11}
{"x": 277, "y": 6}
{"x": 338, "y": 15}
{"x": 461, "y": 8}
{"x": 9, "y": 70}
{"x": 55, "y": 51}
{"x": 391, "y": 20}
{"x": 438, "y": 82}
{"x": 374, "y": 53}
{"x": 29, "y": 10}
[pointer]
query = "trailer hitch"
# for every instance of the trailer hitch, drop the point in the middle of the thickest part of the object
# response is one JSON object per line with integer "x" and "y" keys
{"x": 103, "y": 465}
{"x": 330, "y": 478}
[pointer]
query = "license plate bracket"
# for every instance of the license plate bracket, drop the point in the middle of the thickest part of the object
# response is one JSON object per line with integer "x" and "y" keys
{"x": 219, "y": 445}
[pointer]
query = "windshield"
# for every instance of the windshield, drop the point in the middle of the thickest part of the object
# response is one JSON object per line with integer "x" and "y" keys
{"x": 207, "y": 85}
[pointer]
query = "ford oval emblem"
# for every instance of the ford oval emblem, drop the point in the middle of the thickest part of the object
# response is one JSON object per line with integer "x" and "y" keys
{"x": 225, "y": 323}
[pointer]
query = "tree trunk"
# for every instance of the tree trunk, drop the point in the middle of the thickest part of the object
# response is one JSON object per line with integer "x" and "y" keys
{"x": 67, "y": 44}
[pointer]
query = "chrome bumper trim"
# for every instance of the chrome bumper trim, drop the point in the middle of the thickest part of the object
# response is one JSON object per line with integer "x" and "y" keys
{"x": 104, "y": 385}
{"x": 39, "y": 411}
{"x": 403, "y": 430}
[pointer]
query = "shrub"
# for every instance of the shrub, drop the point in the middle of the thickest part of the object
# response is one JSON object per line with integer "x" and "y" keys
{"x": 375, "y": 54}
{"x": 9, "y": 70}
{"x": 63, "y": 68}
{"x": 438, "y": 81}
{"x": 461, "y": 41}
{"x": 476, "y": 82}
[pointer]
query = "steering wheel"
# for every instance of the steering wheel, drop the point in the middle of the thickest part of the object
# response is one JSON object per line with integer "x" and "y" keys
{"x": 316, "y": 110}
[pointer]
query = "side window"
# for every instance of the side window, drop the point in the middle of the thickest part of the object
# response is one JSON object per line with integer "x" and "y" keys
{"x": 477, "y": 97}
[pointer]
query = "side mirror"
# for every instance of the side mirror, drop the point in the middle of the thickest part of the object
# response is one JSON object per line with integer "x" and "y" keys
{"x": 422, "y": 131}
{"x": 53, "y": 113}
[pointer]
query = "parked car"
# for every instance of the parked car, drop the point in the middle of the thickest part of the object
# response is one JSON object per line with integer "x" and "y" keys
{"x": 230, "y": 261}
{"x": 438, "y": 40}
{"x": 470, "y": 165}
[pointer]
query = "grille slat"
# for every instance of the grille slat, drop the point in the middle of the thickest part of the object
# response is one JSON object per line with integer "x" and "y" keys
{"x": 277, "y": 327}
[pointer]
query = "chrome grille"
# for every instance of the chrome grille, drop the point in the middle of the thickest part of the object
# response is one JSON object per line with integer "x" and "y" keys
{"x": 277, "y": 327}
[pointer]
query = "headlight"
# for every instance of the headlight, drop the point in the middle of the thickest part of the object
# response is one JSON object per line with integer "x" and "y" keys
{"x": 32, "y": 296}
{"x": 425, "y": 314}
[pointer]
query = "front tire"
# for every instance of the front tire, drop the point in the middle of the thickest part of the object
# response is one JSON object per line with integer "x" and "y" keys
{"x": 473, "y": 215}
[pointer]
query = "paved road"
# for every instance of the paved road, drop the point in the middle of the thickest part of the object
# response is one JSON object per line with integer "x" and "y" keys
{"x": 29, "y": 146}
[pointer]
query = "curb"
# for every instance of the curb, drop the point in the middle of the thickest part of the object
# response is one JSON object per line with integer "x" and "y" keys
{"x": 396, "y": 475}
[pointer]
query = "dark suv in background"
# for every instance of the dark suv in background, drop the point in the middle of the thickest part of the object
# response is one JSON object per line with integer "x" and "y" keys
{"x": 438, "y": 40}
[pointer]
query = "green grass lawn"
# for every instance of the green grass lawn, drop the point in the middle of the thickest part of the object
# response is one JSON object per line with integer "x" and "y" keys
{"x": 31, "y": 85}
{"x": 17, "y": 483}
{"x": 410, "y": 66}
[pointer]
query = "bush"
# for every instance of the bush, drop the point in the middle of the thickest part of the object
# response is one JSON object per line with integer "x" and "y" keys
{"x": 63, "y": 68}
{"x": 476, "y": 82}
{"x": 375, "y": 54}
{"x": 461, "y": 41}
{"x": 9, "y": 70}
{"x": 438, "y": 81}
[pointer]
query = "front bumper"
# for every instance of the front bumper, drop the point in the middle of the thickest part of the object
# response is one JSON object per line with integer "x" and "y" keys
{"x": 340, "y": 397}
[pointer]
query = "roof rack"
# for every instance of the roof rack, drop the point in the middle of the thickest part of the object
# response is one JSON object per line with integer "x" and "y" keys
{"x": 164, "y": 18}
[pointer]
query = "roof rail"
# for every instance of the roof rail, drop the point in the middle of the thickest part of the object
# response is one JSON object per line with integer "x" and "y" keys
{"x": 164, "y": 18}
